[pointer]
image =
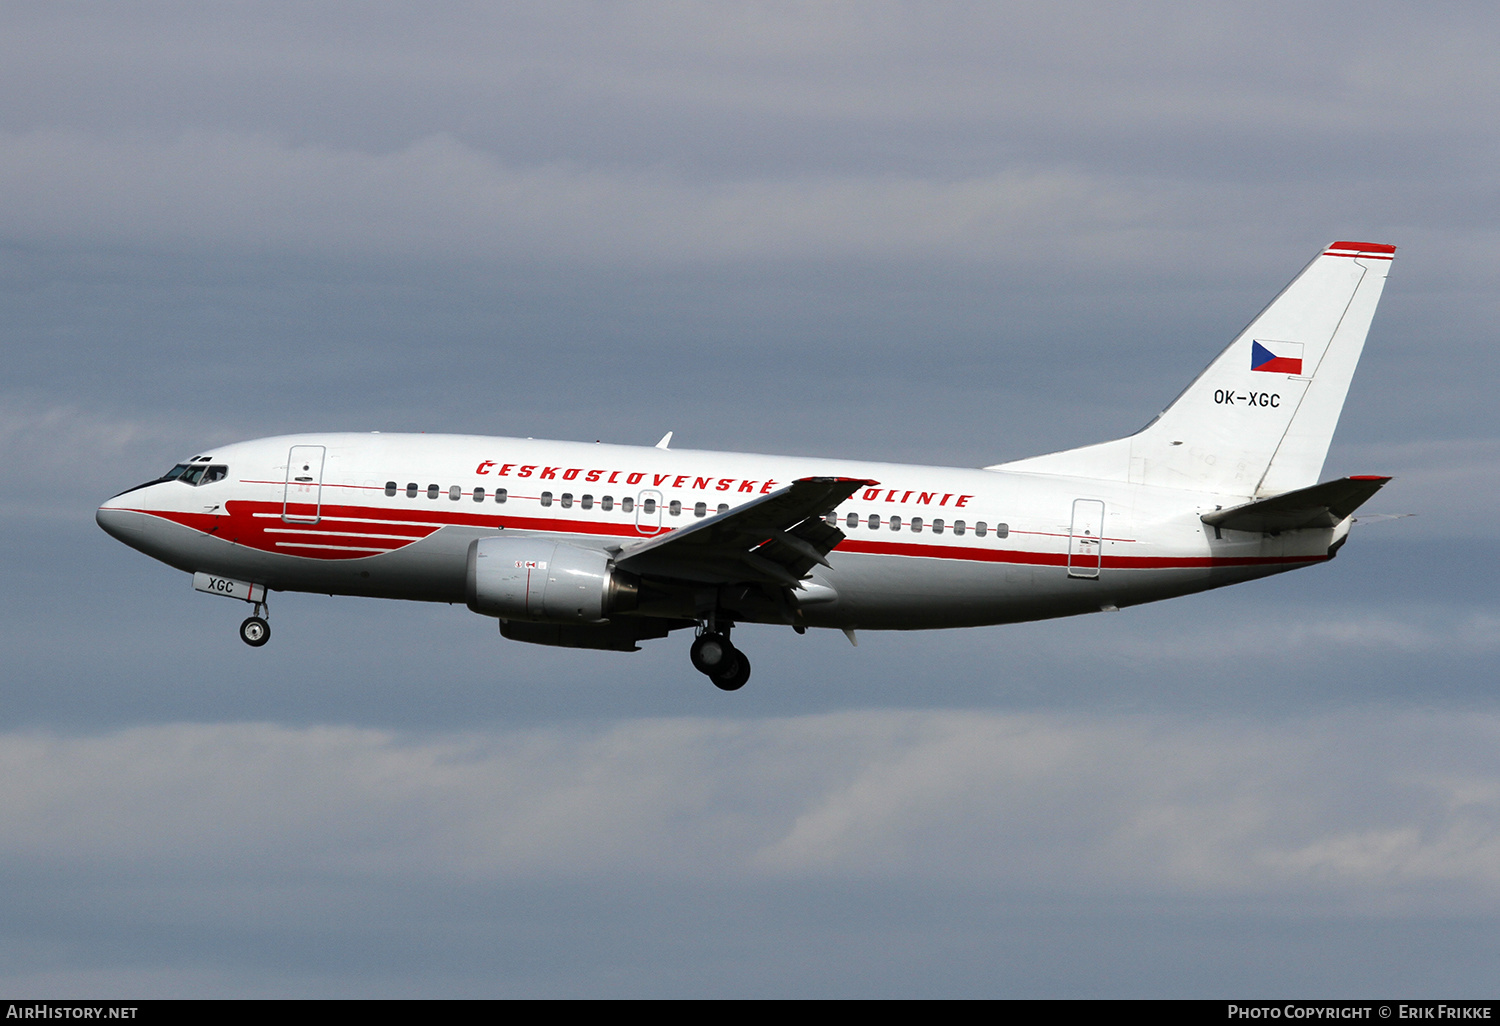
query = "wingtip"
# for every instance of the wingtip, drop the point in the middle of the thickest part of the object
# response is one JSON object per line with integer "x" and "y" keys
{"x": 1376, "y": 250}
{"x": 842, "y": 480}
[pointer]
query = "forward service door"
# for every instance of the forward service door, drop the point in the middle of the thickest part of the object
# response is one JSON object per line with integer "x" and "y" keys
{"x": 302, "y": 503}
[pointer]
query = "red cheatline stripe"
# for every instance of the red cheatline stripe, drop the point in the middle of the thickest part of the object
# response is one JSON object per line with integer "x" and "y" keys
{"x": 204, "y": 521}
{"x": 374, "y": 514}
{"x": 1061, "y": 558}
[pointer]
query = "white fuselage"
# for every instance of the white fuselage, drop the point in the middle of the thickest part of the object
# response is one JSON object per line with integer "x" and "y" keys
{"x": 394, "y": 516}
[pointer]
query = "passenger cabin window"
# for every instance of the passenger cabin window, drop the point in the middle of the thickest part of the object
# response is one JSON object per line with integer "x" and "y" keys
{"x": 895, "y": 523}
{"x": 1002, "y": 530}
{"x": 916, "y": 525}
{"x": 567, "y": 500}
{"x": 979, "y": 528}
{"x": 432, "y": 491}
{"x": 958, "y": 527}
{"x": 852, "y": 520}
{"x": 456, "y": 492}
{"x": 723, "y": 507}
{"x": 390, "y": 488}
{"x": 478, "y": 494}
{"x": 586, "y": 502}
{"x": 501, "y": 494}
{"x": 648, "y": 506}
{"x": 675, "y": 508}
{"x": 627, "y": 504}
{"x": 700, "y": 509}
{"x": 937, "y": 527}
{"x": 411, "y": 490}
{"x": 546, "y": 498}
{"x": 831, "y": 519}
{"x": 874, "y": 521}
{"x": 607, "y": 503}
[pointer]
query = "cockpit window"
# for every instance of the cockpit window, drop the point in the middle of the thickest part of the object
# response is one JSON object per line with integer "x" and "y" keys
{"x": 197, "y": 474}
{"x": 191, "y": 473}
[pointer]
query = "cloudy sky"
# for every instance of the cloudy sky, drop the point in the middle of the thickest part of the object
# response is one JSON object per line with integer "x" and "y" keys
{"x": 943, "y": 233}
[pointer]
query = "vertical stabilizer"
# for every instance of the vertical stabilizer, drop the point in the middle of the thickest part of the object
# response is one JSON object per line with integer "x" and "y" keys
{"x": 1260, "y": 419}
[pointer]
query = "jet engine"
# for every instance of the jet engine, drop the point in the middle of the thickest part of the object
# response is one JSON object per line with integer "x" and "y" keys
{"x": 546, "y": 581}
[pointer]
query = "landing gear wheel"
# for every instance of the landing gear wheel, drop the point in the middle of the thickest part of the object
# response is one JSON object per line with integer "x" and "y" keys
{"x": 735, "y": 676}
{"x": 255, "y": 632}
{"x": 711, "y": 653}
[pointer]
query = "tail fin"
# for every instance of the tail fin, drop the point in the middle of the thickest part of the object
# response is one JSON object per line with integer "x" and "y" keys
{"x": 1259, "y": 420}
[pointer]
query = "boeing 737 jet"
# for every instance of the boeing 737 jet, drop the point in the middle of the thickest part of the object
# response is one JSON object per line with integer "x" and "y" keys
{"x": 604, "y": 546}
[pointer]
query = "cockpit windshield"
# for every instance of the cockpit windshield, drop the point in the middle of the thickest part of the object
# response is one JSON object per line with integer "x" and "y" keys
{"x": 202, "y": 474}
{"x": 195, "y": 473}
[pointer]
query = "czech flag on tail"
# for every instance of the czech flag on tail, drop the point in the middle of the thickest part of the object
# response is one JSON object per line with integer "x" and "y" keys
{"x": 1276, "y": 357}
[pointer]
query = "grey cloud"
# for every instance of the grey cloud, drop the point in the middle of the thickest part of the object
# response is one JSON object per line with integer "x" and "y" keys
{"x": 441, "y": 198}
{"x": 1361, "y": 809}
{"x": 1078, "y": 65}
{"x": 1451, "y": 483}
{"x": 946, "y": 233}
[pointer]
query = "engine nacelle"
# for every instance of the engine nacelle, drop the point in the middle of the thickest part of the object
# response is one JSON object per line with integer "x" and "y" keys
{"x": 546, "y": 581}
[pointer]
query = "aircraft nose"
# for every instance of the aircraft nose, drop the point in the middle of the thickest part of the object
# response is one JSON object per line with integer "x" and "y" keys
{"x": 125, "y": 524}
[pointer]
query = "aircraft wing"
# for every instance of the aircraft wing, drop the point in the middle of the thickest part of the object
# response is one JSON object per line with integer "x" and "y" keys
{"x": 774, "y": 539}
{"x": 1321, "y": 505}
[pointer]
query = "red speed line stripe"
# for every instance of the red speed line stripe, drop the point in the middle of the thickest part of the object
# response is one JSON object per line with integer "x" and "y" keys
{"x": 1061, "y": 558}
{"x": 204, "y": 521}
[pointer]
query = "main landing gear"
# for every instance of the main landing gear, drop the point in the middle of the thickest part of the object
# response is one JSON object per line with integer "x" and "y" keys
{"x": 721, "y": 662}
{"x": 256, "y": 631}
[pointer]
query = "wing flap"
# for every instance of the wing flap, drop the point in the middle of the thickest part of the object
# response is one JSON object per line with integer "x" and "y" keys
{"x": 1321, "y": 505}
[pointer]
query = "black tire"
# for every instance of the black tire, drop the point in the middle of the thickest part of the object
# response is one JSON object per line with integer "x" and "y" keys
{"x": 711, "y": 653}
{"x": 734, "y": 678}
{"x": 255, "y": 632}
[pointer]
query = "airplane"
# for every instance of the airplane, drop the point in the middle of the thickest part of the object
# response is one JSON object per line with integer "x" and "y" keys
{"x": 598, "y": 546}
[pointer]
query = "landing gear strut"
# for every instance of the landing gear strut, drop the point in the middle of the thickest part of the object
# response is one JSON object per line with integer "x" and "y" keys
{"x": 721, "y": 662}
{"x": 256, "y": 631}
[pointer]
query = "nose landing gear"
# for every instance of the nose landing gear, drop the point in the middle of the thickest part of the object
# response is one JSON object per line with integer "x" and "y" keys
{"x": 714, "y": 657}
{"x": 256, "y": 631}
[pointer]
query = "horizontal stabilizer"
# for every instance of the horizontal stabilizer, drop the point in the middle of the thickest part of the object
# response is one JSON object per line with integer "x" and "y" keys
{"x": 1322, "y": 505}
{"x": 1380, "y": 518}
